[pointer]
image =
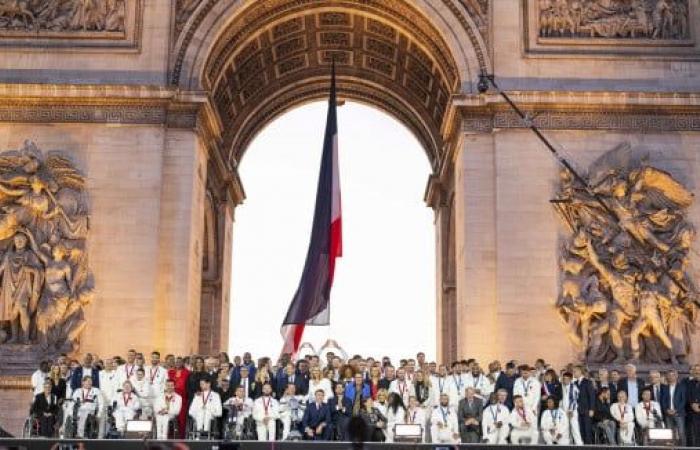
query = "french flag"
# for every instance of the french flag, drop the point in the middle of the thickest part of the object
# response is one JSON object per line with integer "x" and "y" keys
{"x": 311, "y": 302}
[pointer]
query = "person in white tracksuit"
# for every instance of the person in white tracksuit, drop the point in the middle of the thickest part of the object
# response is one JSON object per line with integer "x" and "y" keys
{"x": 495, "y": 422}
{"x": 166, "y": 407}
{"x": 523, "y": 423}
{"x": 569, "y": 403}
{"x": 266, "y": 412}
{"x": 127, "y": 405}
{"x": 444, "y": 426}
{"x": 89, "y": 398}
{"x": 206, "y": 406}
{"x": 623, "y": 413}
{"x": 554, "y": 424}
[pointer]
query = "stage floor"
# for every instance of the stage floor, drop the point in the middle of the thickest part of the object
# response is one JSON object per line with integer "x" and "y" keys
{"x": 128, "y": 444}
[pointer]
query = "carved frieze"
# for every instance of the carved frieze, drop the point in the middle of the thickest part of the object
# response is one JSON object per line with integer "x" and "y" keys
{"x": 611, "y": 26}
{"x": 45, "y": 279}
{"x": 625, "y": 292}
{"x": 70, "y": 23}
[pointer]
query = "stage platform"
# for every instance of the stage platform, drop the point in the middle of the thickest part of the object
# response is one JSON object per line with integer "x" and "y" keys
{"x": 127, "y": 444}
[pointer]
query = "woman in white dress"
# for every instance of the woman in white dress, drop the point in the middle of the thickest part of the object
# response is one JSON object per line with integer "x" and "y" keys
{"x": 316, "y": 382}
{"x": 395, "y": 414}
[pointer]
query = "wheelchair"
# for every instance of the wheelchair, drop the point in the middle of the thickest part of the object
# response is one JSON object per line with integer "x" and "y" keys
{"x": 193, "y": 434}
{"x": 173, "y": 428}
{"x": 31, "y": 427}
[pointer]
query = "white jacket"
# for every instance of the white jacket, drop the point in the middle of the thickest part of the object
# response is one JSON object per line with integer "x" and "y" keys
{"x": 266, "y": 407}
{"x": 171, "y": 403}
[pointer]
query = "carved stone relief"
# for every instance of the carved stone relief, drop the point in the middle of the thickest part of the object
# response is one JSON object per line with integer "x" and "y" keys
{"x": 72, "y": 23}
{"x": 45, "y": 280}
{"x": 625, "y": 292}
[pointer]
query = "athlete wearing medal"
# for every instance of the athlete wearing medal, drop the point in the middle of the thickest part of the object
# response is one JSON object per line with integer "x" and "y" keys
{"x": 554, "y": 424}
{"x": 528, "y": 388}
{"x": 206, "y": 406}
{"x": 402, "y": 386}
{"x": 266, "y": 412}
{"x": 166, "y": 407}
{"x": 127, "y": 405}
{"x": 623, "y": 413}
{"x": 444, "y": 428}
{"x": 523, "y": 423}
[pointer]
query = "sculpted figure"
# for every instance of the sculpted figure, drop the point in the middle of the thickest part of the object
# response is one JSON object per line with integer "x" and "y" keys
{"x": 19, "y": 288}
{"x": 625, "y": 291}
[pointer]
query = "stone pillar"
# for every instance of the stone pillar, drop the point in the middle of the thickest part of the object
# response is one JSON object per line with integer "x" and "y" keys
{"x": 475, "y": 240}
{"x": 177, "y": 302}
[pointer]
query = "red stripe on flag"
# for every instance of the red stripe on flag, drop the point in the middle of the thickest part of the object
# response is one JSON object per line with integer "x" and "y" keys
{"x": 336, "y": 246}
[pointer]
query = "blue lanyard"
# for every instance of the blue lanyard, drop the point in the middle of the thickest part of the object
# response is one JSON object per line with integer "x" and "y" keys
{"x": 444, "y": 414}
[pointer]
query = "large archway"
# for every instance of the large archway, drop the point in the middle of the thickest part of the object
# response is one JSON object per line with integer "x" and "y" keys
{"x": 258, "y": 59}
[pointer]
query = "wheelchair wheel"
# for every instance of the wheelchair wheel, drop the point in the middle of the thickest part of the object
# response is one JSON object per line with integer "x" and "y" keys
{"x": 70, "y": 429}
{"x": 92, "y": 427}
{"x": 31, "y": 428}
{"x": 173, "y": 429}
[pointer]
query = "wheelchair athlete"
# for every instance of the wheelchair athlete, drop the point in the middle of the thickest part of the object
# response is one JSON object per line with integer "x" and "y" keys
{"x": 44, "y": 417}
{"x": 87, "y": 401}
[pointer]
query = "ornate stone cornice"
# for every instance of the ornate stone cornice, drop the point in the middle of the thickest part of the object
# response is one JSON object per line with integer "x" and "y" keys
{"x": 583, "y": 111}
{"x": 147, "y": 105}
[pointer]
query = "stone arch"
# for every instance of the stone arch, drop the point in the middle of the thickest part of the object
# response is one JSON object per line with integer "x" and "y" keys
{"x": 258, "y": 59}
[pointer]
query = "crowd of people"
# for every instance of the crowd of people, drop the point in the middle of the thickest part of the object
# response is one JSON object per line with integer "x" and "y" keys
{"x": 366, "y": 398}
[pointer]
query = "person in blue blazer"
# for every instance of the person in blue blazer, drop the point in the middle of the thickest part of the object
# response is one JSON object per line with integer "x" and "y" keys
{"x": 673, "y": 399}
{"x": 341, "y": 411}
{"x": 317, "y": 419}
{"x": 86, "y": 369}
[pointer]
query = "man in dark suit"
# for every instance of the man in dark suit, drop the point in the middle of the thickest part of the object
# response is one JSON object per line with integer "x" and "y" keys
{"x": 289, "y": 376}
{"x": 317, "y": 419}
{"x": 243, "y": 379}
{"x": 302, "y": 373}
{"x": 76, "y": 379}
{"x": 469, "y": 414}
{"x": 632, "y": 384}
{"x": 506, "y": 380}
{"x": 341, "y": 411}
{"x": 586, "y": 404}
{"x": 389, "y": 376}
{"x": 673, "y": 401}
{"x": 693, "y": 410}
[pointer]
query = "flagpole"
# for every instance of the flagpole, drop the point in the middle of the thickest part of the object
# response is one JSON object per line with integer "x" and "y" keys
{"x": 528, "y": 120}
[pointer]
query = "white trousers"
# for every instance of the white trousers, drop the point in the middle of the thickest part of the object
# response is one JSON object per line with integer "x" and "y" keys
{"x": 266, "y": 432}
{"x": 497, "y": 436}
{"x": 550, "y": 440}
{"x": 627, "y": 433}
{"x": 162, "y": 422}
{"x": 574, "y": 429}
{"x": 526, "y": 437}
{"x": 286, "y": 426}
{"x": 442, "y": 436}
{"x": 83, "y": 414}
{"x": 121, "y": 416}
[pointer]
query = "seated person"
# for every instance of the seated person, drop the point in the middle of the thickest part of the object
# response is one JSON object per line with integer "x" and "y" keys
{"x": 602, "y": 418}
{"x": 444, "y": 427}
{"x": 205, "y": 407}
{"x": 45, "y": 409}
{"x": 554, "y": 423}
{"x": 88, "y": 398}
{"x": 266, "y": 412}
{"x": 375, "y": 421}
{"x": 166, "y": 408}
{"x": 648, "y": 412}
{"x": 127, "y": 407}
{"x": 523, "y": 423}
{"x": 241, "y": 407}
{"x": 624, "y": 415}
{"x": 292, "y": 408}
{"x": 317, "y": 418}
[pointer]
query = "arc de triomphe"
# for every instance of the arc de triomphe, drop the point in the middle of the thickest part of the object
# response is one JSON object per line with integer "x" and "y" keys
{"x": 151, "y": 104}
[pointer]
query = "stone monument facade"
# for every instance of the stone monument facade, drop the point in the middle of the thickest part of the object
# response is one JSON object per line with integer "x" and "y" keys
{"x": 146, "y": 109}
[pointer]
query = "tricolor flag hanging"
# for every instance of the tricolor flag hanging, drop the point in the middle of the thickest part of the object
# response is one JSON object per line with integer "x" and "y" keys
{"x": 311, "y": 302}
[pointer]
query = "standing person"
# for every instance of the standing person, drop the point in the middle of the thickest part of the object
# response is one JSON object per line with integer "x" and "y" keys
{"x": 529, "y": 388}
{"x": 341, "y": 411}
{"x": 551, "y": 387}
{"x": 586, "y": 404}
{"x": 674, "y": 401}
{"x": 316, "y": 382}
{"x": 421, "y": 386}
{"x": 395, "y": 414}
{"x": 83, "y": 371}
{"x": 375, "y": 377}
{"x": 205, "y": 406}
{"x": 156, "y": 374}
{"x": 198, "y": 373}
{"x": 469, "y": 415}
{"x": 180, "y": 375}
{"x": 479, "y": 382}
{"x": 127, "y": 405}
{"x": 496, "y": 417}
{"x": 402, "y": 386}
{"x": 554, "y": 424}
{"x": 144, "y": 391}
{"x": 109, "y": 382}
{"x": 317, "y": 418}
{"x": 603, "y": 419}
{"x": 266, "y": 413}
{"x": 693, "y": 410}
{"x": 569, "y": 403}
{"x": 167, "y": 407}
{"x": 632, "y": 385}
{"x": 605, "y": 382}
{"x": 39, "y": 376}
{"x": 45, "y": 409}
{"x": 523, "y": 422}
{"x": 389, "y": 377}
{"x": 58, "y": 383}
{"x": 623, "y": 413}
{"x": 439, "y": 385}
{"x": 127, "y": 370}
{"x": 444, "y": 426}
{"x": 357, "y": 391}
{"x": 655, "y": 385}
{"x": 456, "y": 384}
{"x": 506, "y": 380}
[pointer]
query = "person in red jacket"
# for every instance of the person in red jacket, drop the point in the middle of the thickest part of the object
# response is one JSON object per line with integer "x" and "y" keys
{"x": 179, "y": 374}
